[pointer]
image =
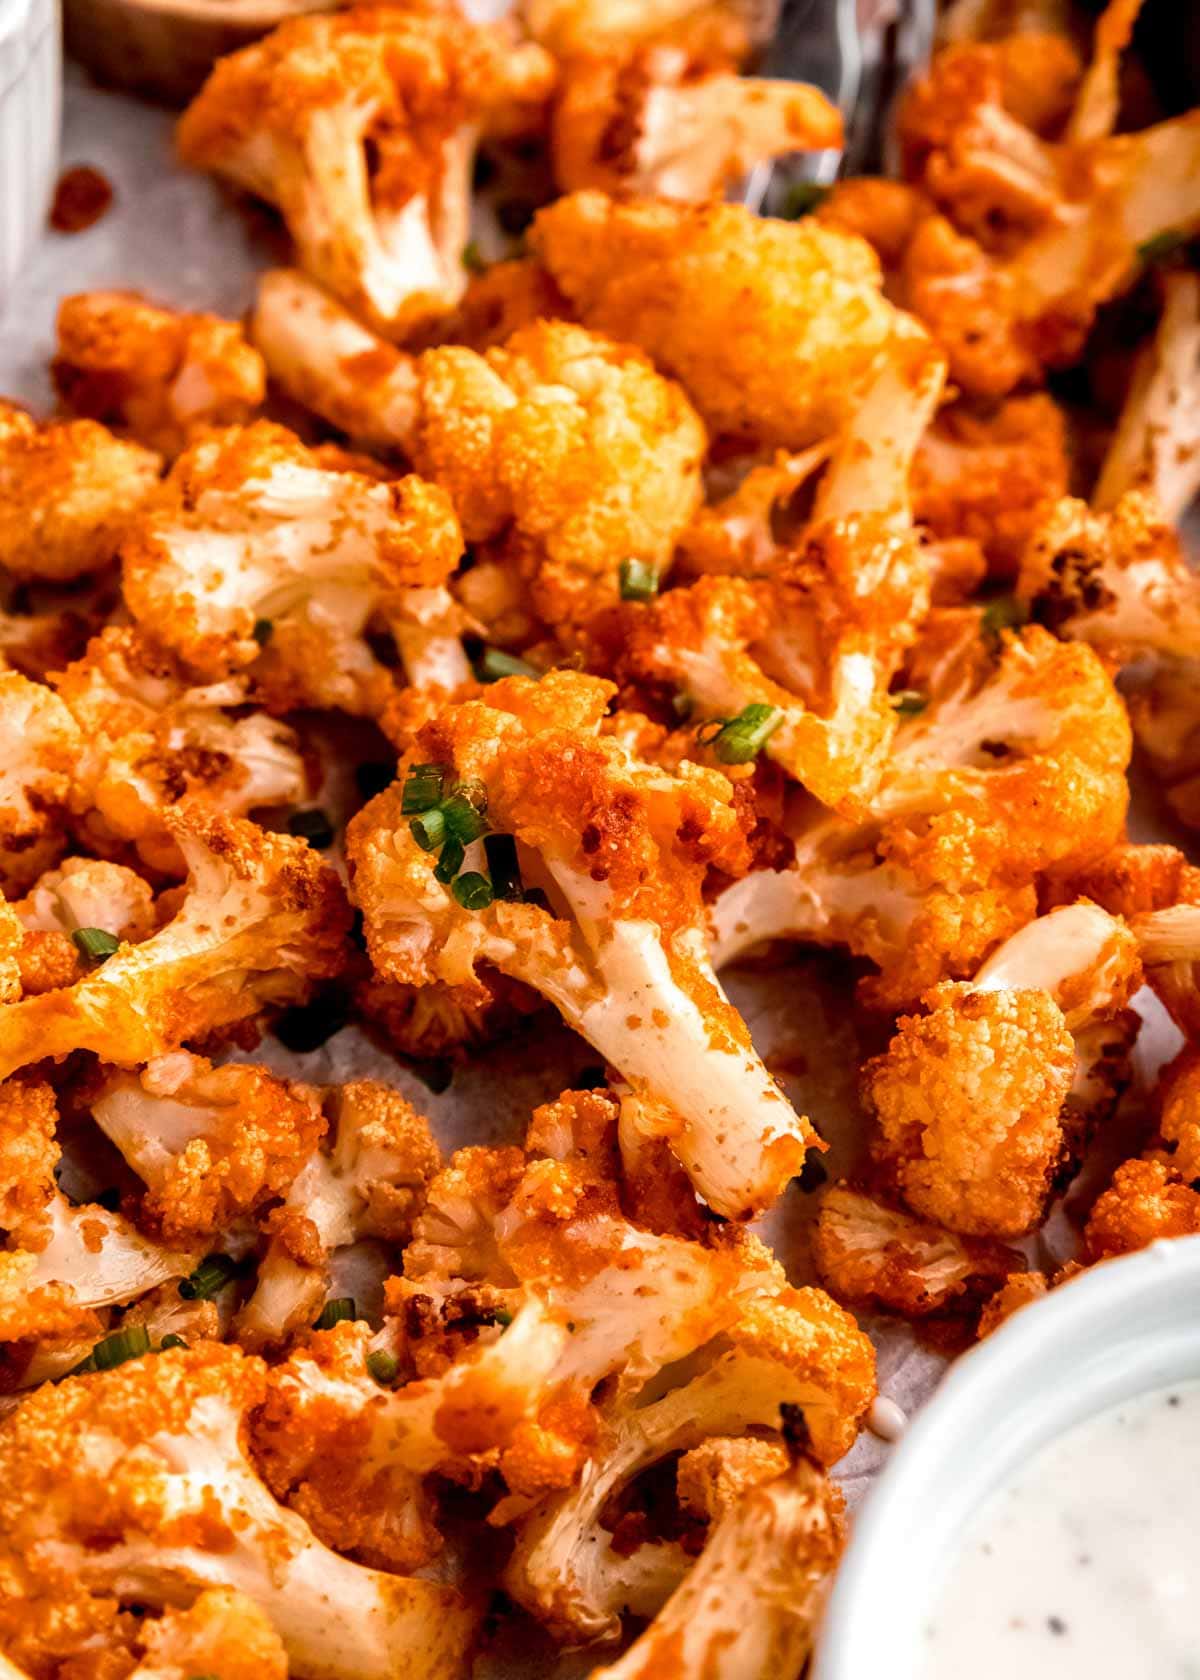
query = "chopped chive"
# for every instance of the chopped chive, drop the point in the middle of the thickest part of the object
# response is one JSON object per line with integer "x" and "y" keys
{"x": 171, "y": 1341}
{"x": 313, "y": 826}
{"x": 1162, "y": 246}
{"x": 209, "y": 1278}
{"x": 371, "y": 778}
{"x": 465, "y": 812}
{"x": 743, "y": 737}
{"x": 801, "y": 198}
{"x": 473, "y": 891}
{"x": 472, "y": 257}
{"x": 1004, "y": 613}
{"x": 428, "y": 829}
{"x": 683, "y": 706}
{"x": 639, "y": 580}
{"x": 422, "y": 788}
{"x": 450, "y": 860}
{"x": 494, "y": 663}
{"x": 263, "y": 630}
{"x": 503, "y": 867}
{"x": 333, "y": 1312}
{"x": 96, "y": 944}
{"x": 909, "y": 702}
{"x": 383, "y": 1366}
{"x": 503, "y": 1317}
{"x": 708, "y": 731}
{"x": 129, "y": 1343}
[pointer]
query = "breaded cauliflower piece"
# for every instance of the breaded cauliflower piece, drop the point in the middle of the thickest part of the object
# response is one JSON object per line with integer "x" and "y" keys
{"x": 749, "y": 1606}
{"x": 80, "y": 893}
{"x": 872, "y": 1255}
{"x": 772, "y": 327}
{"x": 796, "y": 1364}
{"x": 1018, "y": 1291}
{"x": 68, "y": 489}
{"x": 222, "y": 1631}
{"x": 366, "y": 1180}
{"x": 153, "y": 735}
{"x": 655, "y": 125}
{"x": 40, "y": 750}
{"x": 261, "y": 921}
{"x": 361, "y": 129}
{"x": 158, "y": 374}
{"x": 992, "y": 477}
{"x": 259, "y": 560}
{"x": 1179, "y": 1121}
{"x": 133, "y": 1486}
{"x": 1145, "y": 1203}
{"x": 212, "y": 1145}
{"x": 620, "y": 849}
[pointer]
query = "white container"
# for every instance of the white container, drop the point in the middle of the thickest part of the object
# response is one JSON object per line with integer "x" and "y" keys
{"x": 30, "y": 122}
{"x": 1119, "y": 1330}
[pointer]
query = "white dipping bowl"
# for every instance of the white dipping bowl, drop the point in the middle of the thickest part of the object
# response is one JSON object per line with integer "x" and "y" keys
{"x": 1119, "y": 1330}
{"x": 30, "y": 121}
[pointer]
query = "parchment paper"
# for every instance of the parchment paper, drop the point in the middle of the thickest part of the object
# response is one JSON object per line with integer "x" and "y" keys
{"x": 174, "y": 236}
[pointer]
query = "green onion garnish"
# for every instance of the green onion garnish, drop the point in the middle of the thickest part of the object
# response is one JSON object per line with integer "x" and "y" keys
{"x": 313, "y": 826}
{"x": 465, "y": 812}
{"x": 333, "y": 1312}
{"x": 908, "y": 702}
{"x": 95, "y": 944}
{"x": 801, "y": 198}
{"x": 129, "y": 1343}
{"x": 1162, "y": 245}
{"x": 639, "y": 580}
{"x": 209, "y": 1278}
{"x": 472, "y": 258}
{"x": 503, "y": 867}
{"x": 494, "y": 663}
{"x": 1004, "y": 613}
{"x": 473, "y": 891}
{"x": 263, "y": 630}
{"x": 450, "y": 860}
{"x": 422, "y": 788}
{"x": 171, "y": 1341}
{"x": 742, "y": 739}
{"x": 428, "y": 829}
{"x": 383, "y": 1366}
{"x": 503, "y": 1317}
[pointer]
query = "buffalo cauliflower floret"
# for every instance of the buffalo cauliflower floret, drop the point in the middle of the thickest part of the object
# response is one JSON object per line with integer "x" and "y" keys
{"x": 40, "y": 748}
{"x": 68, "y": 489}
{"x": 153, "y": 736}
{"x": 796, "y": 1364}
{"x": 156, "y": 373}
{"x": 617, "y": 850}
{"x": 133, "y": 1485}
{"x": 367, "y": 1180}
{"x": 361, "y": 129}
{"x": 1019, "y": 1290}
{"x": 221, "y": 1631}
{"x": 212, "y": 1145}
{"x": 655, "y": 125}
{"x": 749, "y": 1607}
{"x": 259, "y": 560}
{"x": 1145, "y": 1203}
{"x": 80, "y": 893}
{"x": 697, "y": 286}
{"x": 260, "y": 922}
{"x": 873, "y": 1255}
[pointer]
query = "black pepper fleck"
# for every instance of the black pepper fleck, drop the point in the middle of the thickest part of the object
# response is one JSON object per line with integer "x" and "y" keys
{"x": 1056, "y": 1624}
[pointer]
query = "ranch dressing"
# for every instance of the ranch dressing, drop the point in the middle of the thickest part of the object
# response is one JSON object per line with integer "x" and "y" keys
{"x": 1086, "y": 1564}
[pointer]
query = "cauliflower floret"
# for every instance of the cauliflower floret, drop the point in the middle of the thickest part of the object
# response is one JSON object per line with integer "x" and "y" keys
{"x": 212, "y": 1145}
{"x": 796, "y": 1364}
{"x": 40, "y": 749}
{"x": 261, "y": 921}
{"x": 361, "y": 129}
{"x": 153, "y": 736}
{"x": 80, "y": 893}
{"x": 711, "y": 1478}
{"x": 1144, "y": 1204}
{"x": 1018, "y": 1291}
{"x": 873, "y": 1255}
{"x": 68, "y": 489}
{"x": 368, "y": 1182}
{"x": 258, "y": 559}
{"x": 222, "y": 1631}
{"x": 970, "y": 1096}
{"x": 657, "y": 126}
{"x": 697, "y": 286}
{"x": 749, "y": 1606}
{"x": 156, "y": 373}
{"x": 992, "y": 477}
{"x": 1179, "y": 1122}
{"x": 134, "y": 1485}
{"x": 619, "y": 849}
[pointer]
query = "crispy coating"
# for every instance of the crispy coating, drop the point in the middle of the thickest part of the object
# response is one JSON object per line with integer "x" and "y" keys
{"x": 698, "y": 287}
{"x": 361, "y": 128}
{"x": 570, "y": 448}
{"x": 1144, "y": 1204}
{"x": 157, "y": 374}
{"x": 68, "y": 489}
{"x": 28, "y": 1151}
{"x": 968, "y": 1100}
{"x": 80, "y": 893}
{"x": 1018, "y": 1291}
{"x": 1179, "y": 1122}
{"x": 222, "y": 1631}
{"x": 40, "y": 750}
{"x": 258, "y": 560}
{"x": 711, "y": 1478}
{"x": 872, "y": 1255}
{"x": 260, "y": 922}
